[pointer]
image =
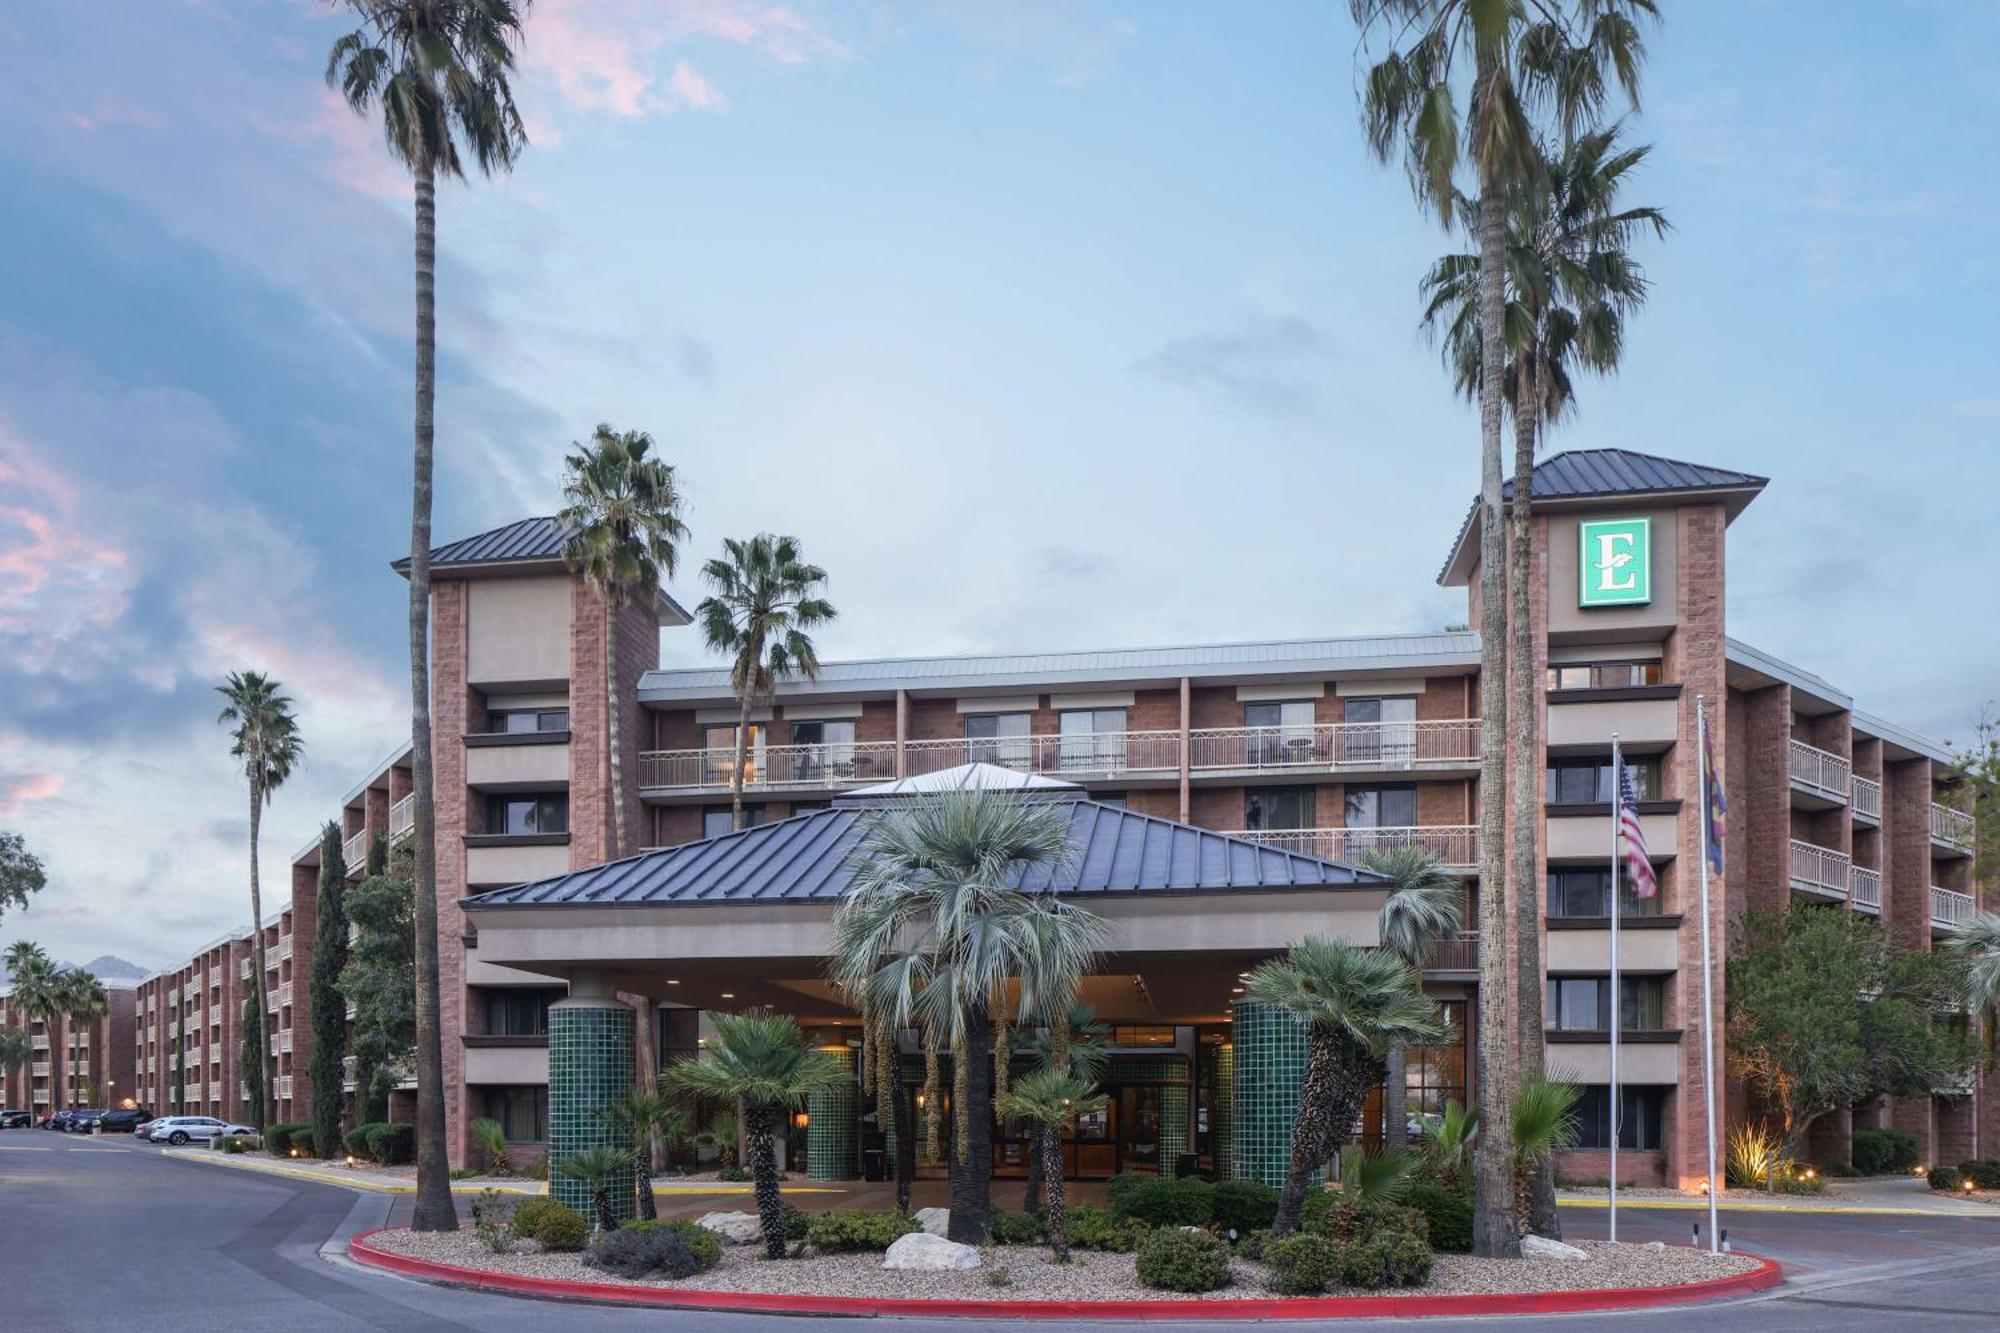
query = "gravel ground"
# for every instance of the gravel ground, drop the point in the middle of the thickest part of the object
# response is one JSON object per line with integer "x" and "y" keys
{"x": 1093, "y": 1276}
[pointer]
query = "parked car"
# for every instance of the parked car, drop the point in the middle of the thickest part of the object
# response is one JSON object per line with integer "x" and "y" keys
{"x": 77, "y": 1120}
{"x": 17, "y": 1119}
{"x": 176, "y": 1130}
{"x": 120, "y": 1121}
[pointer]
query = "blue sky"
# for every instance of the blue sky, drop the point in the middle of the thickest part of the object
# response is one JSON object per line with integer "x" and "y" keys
{"x": 1042, "y": 324}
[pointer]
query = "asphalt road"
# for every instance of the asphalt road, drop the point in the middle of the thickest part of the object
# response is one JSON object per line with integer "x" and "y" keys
{"x": 108, "y": 1234}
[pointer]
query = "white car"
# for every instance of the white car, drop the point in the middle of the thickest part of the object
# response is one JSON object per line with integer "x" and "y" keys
{"x": 179, "y": 1129}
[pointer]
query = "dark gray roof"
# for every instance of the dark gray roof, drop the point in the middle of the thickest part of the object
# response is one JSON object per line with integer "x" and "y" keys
{"x": 526, "y": 540}
{"x": 805, "y": 858}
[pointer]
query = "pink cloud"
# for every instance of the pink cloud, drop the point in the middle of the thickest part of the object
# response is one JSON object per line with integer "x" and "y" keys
{"x": 57, "y": 581}
{"x": 17, "y": 790}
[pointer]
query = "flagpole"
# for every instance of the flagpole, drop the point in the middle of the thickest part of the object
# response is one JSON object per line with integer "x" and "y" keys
{"x": 1707, "y": 975}
{"x": 1617, "y": 841}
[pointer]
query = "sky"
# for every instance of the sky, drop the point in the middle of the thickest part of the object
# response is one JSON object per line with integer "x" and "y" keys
{"x": 1042, "y": 324}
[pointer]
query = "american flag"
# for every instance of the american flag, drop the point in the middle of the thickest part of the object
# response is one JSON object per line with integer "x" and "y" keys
{"x": 1638, "y": 865}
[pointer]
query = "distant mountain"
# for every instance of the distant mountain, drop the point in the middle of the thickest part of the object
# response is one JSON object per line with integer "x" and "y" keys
{"x": 105, "y": 967}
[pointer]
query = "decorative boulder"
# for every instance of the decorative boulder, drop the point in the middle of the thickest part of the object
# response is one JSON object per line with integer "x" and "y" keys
{"x": 736, "y": 1228}
{"x": 1541, "y": 1247}
{"x": 934, "y": 1221}
{"x": 922, "y": 1250}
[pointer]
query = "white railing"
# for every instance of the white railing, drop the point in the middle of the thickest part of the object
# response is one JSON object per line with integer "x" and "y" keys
{"x": 40, "y": 1068}
{"x": 243, "y": 970}
{"x": 1082, "y": 755}
{"x": 174, "y": 1028}
{"x": 215, "y": 976}
{"x": 1336, "y": 746}
{"x": 1455, "y": 845}
{"x": 354, "y": 850}
{"x": 402, "y": 818}
{"x": 1821, "y": 772}
{"x": 281, "y": 1042}
{"x": 1817, "y": 869}
{"x": 40, "y": 1041}
{"x": 284, "y": 948}
{"x": 192, "y": 989}
{"x": 1867, "y": 798}
{"x": 772, "y": 766}
{"x": 195, "y": 1091}
{"x": 1865, "y": 887}
{"x": 1952, "y": 827}
{"x": 284, "y": 1086}
{"x": 1950, "y": 909}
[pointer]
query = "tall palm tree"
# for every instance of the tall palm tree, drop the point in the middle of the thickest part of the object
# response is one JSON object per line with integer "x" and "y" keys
{"x": 761, "y": 1061}
{"x": 936, "y": 928}
{"x": 81, "y": 998}
{"x": 264, "y": 738}
{"x": 765, "y": 600}
{"x": 1977, "y": 945}
{"x": 16, "y": 1049}
{"x": 1425, "y": 904}
{"x": 33, "y": 989}
{"x": 436, "y": 72}
{"x": 1461, "y": 86}
{"x": 1354, "y": 1003}
{"x": 644, "y": 1117}
{"x": 1051, "y": 1100}
{"x": 1074, "y": 1043}
{"x": 621, "y": 519}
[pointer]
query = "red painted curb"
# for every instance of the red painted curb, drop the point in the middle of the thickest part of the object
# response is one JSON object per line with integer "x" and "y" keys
{"x": 1768, "y": 1274}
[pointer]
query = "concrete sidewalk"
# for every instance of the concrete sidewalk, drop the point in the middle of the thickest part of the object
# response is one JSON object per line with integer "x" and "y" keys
{"x": 1879, "y": 1195}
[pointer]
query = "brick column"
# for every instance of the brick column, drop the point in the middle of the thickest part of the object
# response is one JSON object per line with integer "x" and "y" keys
{"x": 590, "y": 1067}
{"x": 1906, "y": 902}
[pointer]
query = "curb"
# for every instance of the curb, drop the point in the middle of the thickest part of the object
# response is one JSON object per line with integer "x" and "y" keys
{"x": 1701, "y": 1205}
{"x": 1768, "y": 1274}
{"x": 321, "y": 1178}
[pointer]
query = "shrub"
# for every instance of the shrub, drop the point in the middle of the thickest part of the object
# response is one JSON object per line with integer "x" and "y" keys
{"x": 796, "y": 1221}
{"x": 1388, "y": 1258}
{"x": 1123, "y": 1184}
{"x": 1881, "y": 1152}
{"x": 656, "y": 1249}
{"x": 554, "y": 1223}
{"x": 1317, "y": 1211}
{"x": 1242, "y": 1206}
{"x": 733, "y": 1173}
{"x": 1366, "y": 1218}
{"x": 1944, "y": 1177}
{"x": 1755, "y": 1155}
{"x": 490, "y": 1214}
{"x": 279, "y": 1140}
{"x": 1091, "y": 1227}
{"x": 232, "y": 1144}
{"x": 537, "y": 1170}
{"x": 1984, "y": 1173}
{"x": 1302, "y": 1264}
{"x": 1163, "y": 1202}
{"x": 1250, "y": 1245}
{"x": 1171, "y": 1259}
{"x": 1019, "y": 1228}
{"x": 393, "y": 1145}
{"x": 1447, "y": 1214}
{"x": 356, "y": 1140}
{"x": 847, "y": 1230}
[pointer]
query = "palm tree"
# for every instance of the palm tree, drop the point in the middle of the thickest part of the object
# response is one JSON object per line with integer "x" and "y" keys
{"x": 1354, "y": 1003}
{"x": 491, "y": 1137}
{"x": 16, "y": 1049}
{"x": 81, "y": 998}
{"x": 593, "y": 1168}
{"x": 436, "y": 72}
{"x": 645, "y": 1116}
{"x": 760, "y": 1060}
{"x": 1504, "y": 60}
{"x": 264, "y": 737}
{"x": 34, "y": 988}
{"x": 935, "y": 931}
{"x": 1448, "y": 1144}
{"x": 1544, "y": 1125}
{"x": 1425, "y": 904}
{"x": 765, "y": 600}
{"x": 1977, "y": 945}
{"x": 621, "y": 518}
{"x": 1051, "y": 1100}
{"x": 1074, "y": 1043}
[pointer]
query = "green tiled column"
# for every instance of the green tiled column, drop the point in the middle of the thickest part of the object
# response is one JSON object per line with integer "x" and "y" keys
{"x": 1221, "y": 1114}
{"x": 590, "y": 1067}
{"x": 830, "y": 1125}
{"x": 1176, "y": 1124}
{"x": 1270, "y": 1061}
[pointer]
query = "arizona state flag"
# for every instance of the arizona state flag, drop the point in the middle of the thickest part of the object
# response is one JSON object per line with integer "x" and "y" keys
{"x": 1715, "y": 809}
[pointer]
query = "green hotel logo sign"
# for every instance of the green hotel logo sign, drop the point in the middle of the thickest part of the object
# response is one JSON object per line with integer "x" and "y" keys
{"x": 1615, "y": 562}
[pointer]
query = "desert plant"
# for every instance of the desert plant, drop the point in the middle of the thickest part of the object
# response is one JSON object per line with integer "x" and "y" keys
{"x": 492, "y": 1141}
{"x": 1426, "y": 903}
{"x": 1448, "y": 1143}
{"x": 1172, "y": 1259}
{"x": 1376, "y": 1176}
{"x": 1544, "y": 1124}
{"x": 1302, "y": 1264}
{"x": 847, "y": 1230}
{"x": 1050, "y": 1100}
{"x": 595, "y": 1169}
{"x": 654, "y": 1249}
{"x": 1755, "y": 1157}
{"x": 492, "y": 1218}
{"x": 641, "y": 1117}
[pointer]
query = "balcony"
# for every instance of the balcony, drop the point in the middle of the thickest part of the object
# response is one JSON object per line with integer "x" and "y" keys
{"x": 40, "y": 1069}
{"x": 774, "y": 767}
{"x": 243, "y": 970}
{"x": 354, "y": 850}
{"x": 1865, "y": 889}
{"x": 284, "y": 948}
{"x": 1865, "y": 798}
{"x": 196, "y": 1091}
{"x": 192, "y": 989}
{"x": 1819, "y": 871}
{"x": 281, "y": 1042}
{"x": 1951, "y": 829}
{"x": 1455, "y": 845}
{"x": 215, "y": 976}
{"x": 277, "y": 997}
{"x": 1336, "y": 747}
{"x": 1455, "y": 953}
{"x": 40, "y": 1041}
{"x": 402, "y": 818}
{"x": 1820, "y": 779}
{"x": 284, "y": 1087}
{"x": 1950, "y": 909}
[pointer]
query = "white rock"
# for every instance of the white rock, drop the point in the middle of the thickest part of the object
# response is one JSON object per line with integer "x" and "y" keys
{"x": 934, "y": 1221}
{"x": 921, "y": 1250}
{"x": 736, "y": 1228}
{"x": 1541, "y": 1247}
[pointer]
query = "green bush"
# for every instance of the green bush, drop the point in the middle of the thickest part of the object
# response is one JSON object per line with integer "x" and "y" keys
{"x": 796, "y": 1220}
{"x": 655, "y": 1249}
{"x": 1242, "y": 1206}
{"x": 1387, "y": 1258}
{"x": 1019, "y": 1228}
{"x": 733, "y": 1174}
{"x": 1123, "y": 1184}
{"x": 1250, "y": 1244}
{"x": 1171, "y": 1259}
{"x": 1944, "y": 1177}
{"x": 1984, "y": 1173}
{"x": 554, "y": 1223}
{"x": 393, "y": 1145}
{"x": 231, "y": 1145}
{"x": 1366, "y": 1218}
{"x": 1881, "y": 1152}
{"x": 847, "y": 1230}
{"x": 1092, "y": 1227}
{"x": 1447, "y": 1214}
{"x": 1163, "y": 1202}
{"x": 279, "y": 1139}
{"x": 1302, "y": 1264}
{"x": 356, "y": 1140}
{"x": 1317, "y": 1211}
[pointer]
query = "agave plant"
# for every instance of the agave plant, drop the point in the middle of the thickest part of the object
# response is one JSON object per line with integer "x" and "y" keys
{"x": 1756, "y": 1157}
{"x": 594, "y": 1168}
{"x": 492, "y": 1141}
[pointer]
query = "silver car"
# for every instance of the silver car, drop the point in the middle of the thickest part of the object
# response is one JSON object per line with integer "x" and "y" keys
{"x": 176, "y": 1130}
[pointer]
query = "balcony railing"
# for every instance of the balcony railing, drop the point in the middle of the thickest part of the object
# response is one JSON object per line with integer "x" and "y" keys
{"x": 243, "y": 970}
{"x": 196, "y": 1091}
{"x": 1867, "y": 798}
{"x": 284, "y": 948}
{"x": 1820, "y": 870}
{"x": 1950, "y": 909}
{"x": 1099, "y": 753}
{"x": 284, "y": 1090}
{"x": 402, "y": 818}
{"x": 281, "y": 1042}
{"x": 1865, "y": 888}
{"x": 1335, "y": 746}
{"x": 354, "y": 850}
{"x": 40, "y": 1068}
{"x": 1953, "y": 828}
{"x": 215, "y": 976}
{"x": 1820, "y": 772}
{"x": 770, "y": 767}
{"x": 1456, "y": 845}
{"x": 1455, "y": 953}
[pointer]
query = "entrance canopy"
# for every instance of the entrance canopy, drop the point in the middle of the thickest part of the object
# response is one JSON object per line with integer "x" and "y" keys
{"x": 742, "y": 918}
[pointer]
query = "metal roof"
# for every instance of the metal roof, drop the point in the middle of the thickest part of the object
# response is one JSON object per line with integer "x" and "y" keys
{"x": 807, "y": 859}
{"x": 525, "y": 542}
{"x": 1276, "y": 657}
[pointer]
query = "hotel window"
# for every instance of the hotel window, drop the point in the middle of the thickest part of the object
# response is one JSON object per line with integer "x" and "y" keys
{"x": 516, "y": 720}
{"x": 1587, "y": 893}
{"x": 720, "y": 758}
{"x": 1381, "y": 807}
{"x": 997, "y": 738}
{"x": 1588, "y": 781}
{"x": 1641, "y": 1123}
{"x": 1583, "y": 1004}
{"x": 1115, "y": 799}
{"x": 1270, "y": 809}
{"x": 1435, "y": 1075}
{"x": 1603, "y": 675}
{"x": 1136, "y": 1035}
{"x": 1393, "y": 742}
{"x": 522, "y": 1113}
{"x": 1092, "y": 738}
{"x": 716, "y": 819}
{"x": 830, "y": 749}
{"x": 520, "y": 1013}
{"x": 1283, "y": 731}
{"x": 547, "y": 812}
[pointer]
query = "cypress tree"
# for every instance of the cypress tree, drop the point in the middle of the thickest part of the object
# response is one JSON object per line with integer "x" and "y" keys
{"x": 329, "y": 1007}
{"x": 251, "y": 1061}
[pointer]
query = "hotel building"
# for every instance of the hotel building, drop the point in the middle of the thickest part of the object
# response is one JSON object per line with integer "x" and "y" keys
{"x": 73, "y": 1062}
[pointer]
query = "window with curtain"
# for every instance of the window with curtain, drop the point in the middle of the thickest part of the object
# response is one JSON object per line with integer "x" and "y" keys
{"x": 1583, "y": 1004}
{"x": 523, "y": 813}
{"x": 1269, "y": 809}
{"x": 1589, "y": 781}
{"x": 719, "y": 757}
{"x": 1603, "y": 675}
{"x": 1641, "y": 1123}
{"x": 521, "y": 1112}
{"x": 520, "y": 1013}
{"x": 1394, "y": 741}
{"x": 1092, "y": 738}
{"x": 997, "y": 738}
{"x": 1381, "y": 807}
{"x": 1586, "y": 892}
{"x": 1284, "y": 731}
